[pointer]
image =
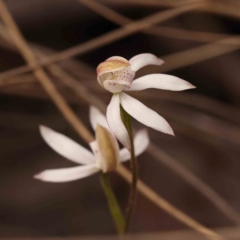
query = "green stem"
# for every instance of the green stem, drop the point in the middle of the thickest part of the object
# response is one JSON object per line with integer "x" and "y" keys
{"x": 113, "y": 204}
{"x": 126, "y": 118}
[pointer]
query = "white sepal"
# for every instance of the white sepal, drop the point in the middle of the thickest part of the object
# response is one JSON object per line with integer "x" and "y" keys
{"x": 67, "y": 174}
{"x": 159, "y": 81}
{"x": 66, "y": 147}
{"x": 144, "y": 114}
{"x": 115, "y": 122}
{"x": 144, "y": 59}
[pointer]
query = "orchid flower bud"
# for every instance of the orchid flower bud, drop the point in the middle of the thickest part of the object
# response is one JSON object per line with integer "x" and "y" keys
{"x": 115, "y": 73}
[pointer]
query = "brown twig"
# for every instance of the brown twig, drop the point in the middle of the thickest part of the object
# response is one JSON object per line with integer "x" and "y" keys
{"x": 117, "y": 34}
{"x": 123, "y": 32}
{"x": 41, "y": 75}
{"x": 159, "y": 201}
{"x": 229, "y": 8}
{"x": 117, "y": 18}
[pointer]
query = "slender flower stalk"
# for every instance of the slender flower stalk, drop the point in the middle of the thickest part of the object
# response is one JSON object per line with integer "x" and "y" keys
{"x": 113, "y": 204}
{"x": 105, "y": 157}
{"x": 126, "y": 118}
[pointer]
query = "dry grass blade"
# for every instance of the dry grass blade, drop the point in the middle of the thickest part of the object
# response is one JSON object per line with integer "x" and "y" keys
{"x": 156, "y": 30}
{"x": 127, "y": 30}
{"x": 221, "y": 7}
{"x": 80, "y": 128}
{"x": 41, "y": 75}
{"x": 143, "y": 188}
{"x": 198, "y": 54}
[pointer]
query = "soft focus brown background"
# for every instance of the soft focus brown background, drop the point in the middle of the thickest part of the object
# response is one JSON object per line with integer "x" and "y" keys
{"x": 206, "y": 122}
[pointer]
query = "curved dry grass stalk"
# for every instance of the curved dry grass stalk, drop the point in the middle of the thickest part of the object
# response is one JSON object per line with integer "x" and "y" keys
{"x": 199, "y": 54}
{"x": 86, "y": 135}
{"x": 229, "y": 8}
{"x": 117, "y": 18}
{"x": 210, "y": 106}
{"x": 160, "y": 3}
{"x": 143, "y": 188}
{"x": 41, "y": 75}
{"x": 107, "y": 38}
{"x": 18, "y": 80}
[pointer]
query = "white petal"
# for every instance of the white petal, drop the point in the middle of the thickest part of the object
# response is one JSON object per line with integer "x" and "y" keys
{"x": 144, "y": 114}
{"x": 115, "y": 122}
{"x": 159, "y": 81}
{"x": 143, "y": 60}
{"x": 67, "y": 174}
{"x": 141, "y": 142}
{"x": 96, "y": 117}
{"x": 66, "y": 147}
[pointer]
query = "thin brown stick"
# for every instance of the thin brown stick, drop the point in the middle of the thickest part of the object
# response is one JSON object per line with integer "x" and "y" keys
{"x": 117, "y": 34}
{"x": 26, "y": 78}
{"x": 123, "y": 32}
{"x": 158, "y": 3}
{"x": 117, "y": 18}
{"x": 198, "y": 54}
{"x": 83, "y": 131}
{"x": 221, "y": 7}
{"x": 178, "y": 168}
{"x": 159, "y": 201}
{"x": 41, "y": 75}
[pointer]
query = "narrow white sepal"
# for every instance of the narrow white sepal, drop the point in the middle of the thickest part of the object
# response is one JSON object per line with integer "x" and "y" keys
{"x": 96, "y": 117}
{"x": 141, "y": 142}
{"x": 67, "y": 174}
{"x": 159, "y": 81}
{"x": 115, "y": 122}
{"x": 144, "y": 114}
{"x": 66, "y": 147}
{"x": 144, "y": 59}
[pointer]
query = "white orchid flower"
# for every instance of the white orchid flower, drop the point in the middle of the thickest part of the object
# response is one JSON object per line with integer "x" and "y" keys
{"x": 116, "y": 75}
{"x": 105, "y": 154}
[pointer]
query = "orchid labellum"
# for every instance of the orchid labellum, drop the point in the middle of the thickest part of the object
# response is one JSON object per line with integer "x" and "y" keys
{"x": 116, "y": 75}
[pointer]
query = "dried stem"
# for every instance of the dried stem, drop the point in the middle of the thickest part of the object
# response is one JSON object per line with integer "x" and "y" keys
{"x": 221, "y": 7}
{"x": 117, "y": 34}
{"x": 117, "y": 18}
{"x": 159, "y": 201}
{"x": 41, "y": 75}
